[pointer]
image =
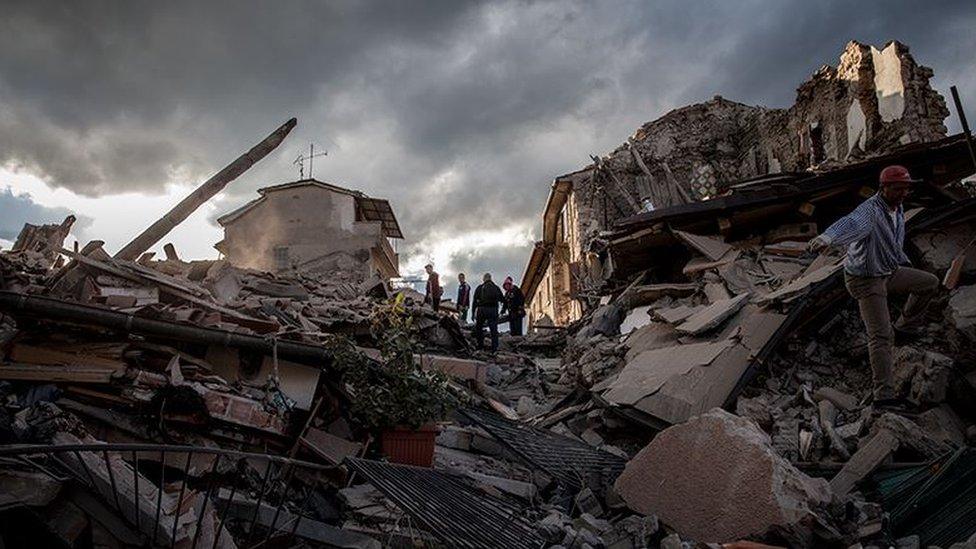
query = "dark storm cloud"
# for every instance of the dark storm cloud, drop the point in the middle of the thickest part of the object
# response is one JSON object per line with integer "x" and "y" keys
{"x": 17, "y": 209}
{"x": 461, "y": 113}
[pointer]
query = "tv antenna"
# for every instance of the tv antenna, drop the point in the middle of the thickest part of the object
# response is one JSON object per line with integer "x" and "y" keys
{"x": 310, "y": 158}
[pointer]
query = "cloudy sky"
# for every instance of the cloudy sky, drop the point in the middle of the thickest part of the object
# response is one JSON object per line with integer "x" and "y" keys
{"x": 461, "y": 113}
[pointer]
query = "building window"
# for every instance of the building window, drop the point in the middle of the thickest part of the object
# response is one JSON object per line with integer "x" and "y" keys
{"x": 281, "y": 257}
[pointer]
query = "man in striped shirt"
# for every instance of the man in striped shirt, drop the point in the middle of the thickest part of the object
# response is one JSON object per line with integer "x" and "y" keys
{"x": 876, "y": 265}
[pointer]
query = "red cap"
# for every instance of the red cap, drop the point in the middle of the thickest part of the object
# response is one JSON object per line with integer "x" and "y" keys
{"x": 896, "y": 174}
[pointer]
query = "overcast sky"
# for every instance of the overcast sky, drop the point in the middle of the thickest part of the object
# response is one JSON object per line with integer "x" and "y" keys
{"x": 460, "y": 113}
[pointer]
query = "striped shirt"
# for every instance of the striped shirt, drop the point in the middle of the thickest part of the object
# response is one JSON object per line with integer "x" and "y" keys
{"x": 873, "y": 236}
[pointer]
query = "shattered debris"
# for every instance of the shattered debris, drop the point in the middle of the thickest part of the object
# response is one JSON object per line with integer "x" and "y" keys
{"x": 299, "y": 398}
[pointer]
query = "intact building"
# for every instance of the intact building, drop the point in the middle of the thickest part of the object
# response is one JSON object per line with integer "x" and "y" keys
{"x": 314, "y": 226}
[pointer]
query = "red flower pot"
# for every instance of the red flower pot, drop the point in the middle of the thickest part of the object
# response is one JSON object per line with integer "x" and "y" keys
{"x": 410, "y": 446}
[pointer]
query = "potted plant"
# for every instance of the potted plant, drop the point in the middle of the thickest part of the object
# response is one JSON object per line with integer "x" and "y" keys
{"x": 397, "y": 398}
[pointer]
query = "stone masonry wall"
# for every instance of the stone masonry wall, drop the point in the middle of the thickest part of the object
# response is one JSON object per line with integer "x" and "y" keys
{"x": 872, "y": 102}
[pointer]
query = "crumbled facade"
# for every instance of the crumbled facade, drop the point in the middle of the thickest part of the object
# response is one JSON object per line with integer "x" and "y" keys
{"x": 313, "y": 226}
{"x": 873, "y": 101}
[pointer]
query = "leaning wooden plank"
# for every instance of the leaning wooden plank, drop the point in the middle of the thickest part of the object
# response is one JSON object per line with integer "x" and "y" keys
{"x": 865, "y": 460}
{"x": 204, "y": 192}
{"x": 31, "y": 354}
{"x": 709, "y": 246}
{"x": 713, "y": 316}
{"x": 699, "y": 264}
{"x": 55, "y": 374}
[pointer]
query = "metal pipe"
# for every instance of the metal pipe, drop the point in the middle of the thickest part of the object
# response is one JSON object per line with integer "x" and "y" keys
{"x": 155, "y": 232}
{"x": 54, "y": 309}
{"x": 965, "y": 125}
{"x": 31, "y": 449}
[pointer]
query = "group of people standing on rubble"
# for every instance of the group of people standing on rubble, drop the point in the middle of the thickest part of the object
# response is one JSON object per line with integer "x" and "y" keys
{"x": 484, "y": 304}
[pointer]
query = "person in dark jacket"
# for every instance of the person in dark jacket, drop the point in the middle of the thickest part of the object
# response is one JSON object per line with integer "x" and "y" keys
{"x": 463, "y": 299}
{"x": 434, "y": 289}
{"x": 514, "y": 305}
{"x": 486, "y": 299}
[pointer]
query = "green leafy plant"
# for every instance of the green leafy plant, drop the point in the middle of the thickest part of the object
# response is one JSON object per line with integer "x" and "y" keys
{"x": 397, "y": 391}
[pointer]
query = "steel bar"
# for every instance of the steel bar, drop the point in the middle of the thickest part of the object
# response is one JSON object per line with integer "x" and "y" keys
{"x": 14, "y": 450}
{"x": 965, "y": 124}
{"x": 299, "y": 515}
{"x": 179, "y": 500}
{"x": 281, "y": 503}
{"x": 91, "y": 479}
{"x": 159, "y": 492}
{"x": 571, "y": 462}
{"x": 206, "y": 499}
{"x": 230, "y": 501}
{"x": 111, "y": 477}
{"x": 448, "y": 508}
{"x": 135, "y": 481}
{"x": 257, "y": 507}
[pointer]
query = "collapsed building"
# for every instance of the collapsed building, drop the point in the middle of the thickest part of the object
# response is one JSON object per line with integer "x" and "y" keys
{"x": 872, "y": 102}
{"x": 713, "y": 391}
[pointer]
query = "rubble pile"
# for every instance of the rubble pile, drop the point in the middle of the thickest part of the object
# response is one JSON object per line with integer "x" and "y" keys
{"x": 714, "y": 391}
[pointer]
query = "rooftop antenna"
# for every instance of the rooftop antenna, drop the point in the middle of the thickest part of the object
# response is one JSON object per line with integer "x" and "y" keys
{"x": 302, "y": 158}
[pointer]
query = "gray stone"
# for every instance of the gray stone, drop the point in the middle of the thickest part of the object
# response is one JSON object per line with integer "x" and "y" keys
{"x": 587, "y": 502}
{"x": 943, "y": 424}
{"x": 671, "y": 542}
{"x": 908, "y": 542}
{"x": 524, "y": 490}
{"x": 756, "y": 409}
{"x": 931, "y": 380}
{"x": 525, "y": 406}
{"x": 962, "y": 310}
{"x": 591, "y": 523}
{"x": 591, "y": 437}
{"x": 452, "y": 436}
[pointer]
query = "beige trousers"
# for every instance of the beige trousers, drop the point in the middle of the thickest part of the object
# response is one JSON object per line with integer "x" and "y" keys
{"x": 871, "y": 294}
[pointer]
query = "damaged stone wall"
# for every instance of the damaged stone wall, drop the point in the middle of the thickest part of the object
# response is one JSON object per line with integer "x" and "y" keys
{"x": 873, "y": 101}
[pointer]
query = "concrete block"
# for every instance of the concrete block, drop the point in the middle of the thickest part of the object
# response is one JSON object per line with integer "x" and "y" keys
{"x": 717, "y": 478}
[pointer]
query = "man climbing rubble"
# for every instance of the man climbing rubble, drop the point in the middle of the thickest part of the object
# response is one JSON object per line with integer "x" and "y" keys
{"x": 487, "y": 296}
{"x": 876, "y": 265}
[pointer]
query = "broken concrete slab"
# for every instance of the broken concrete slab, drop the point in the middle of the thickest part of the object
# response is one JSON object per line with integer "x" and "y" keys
{"x": 636, "y": 318}
{"x": 717, "y": 478}
{"x": 328, "y": 446}
{"x": 524, "y": 490}
{"x": 798, "y": 287}
{"x": 713, "y": 315}
{"x": 675, "y": 315}
{"x": 648, "y": 371}
{"x": 458, "y": 368}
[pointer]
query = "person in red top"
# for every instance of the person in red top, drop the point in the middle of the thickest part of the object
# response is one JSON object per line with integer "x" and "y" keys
{"x": 434, "y": 289}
